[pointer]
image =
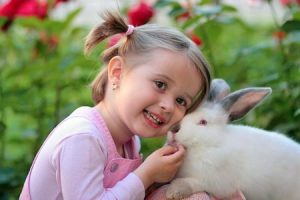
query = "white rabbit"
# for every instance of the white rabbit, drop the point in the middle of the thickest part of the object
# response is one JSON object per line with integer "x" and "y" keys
{"x": 223, "y": 158}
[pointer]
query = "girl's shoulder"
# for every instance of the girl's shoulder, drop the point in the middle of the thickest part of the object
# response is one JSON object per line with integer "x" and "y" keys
{"x": 83, "y": 122}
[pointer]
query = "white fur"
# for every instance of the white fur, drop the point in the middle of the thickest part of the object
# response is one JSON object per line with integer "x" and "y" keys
{"x": 222, "y": 158}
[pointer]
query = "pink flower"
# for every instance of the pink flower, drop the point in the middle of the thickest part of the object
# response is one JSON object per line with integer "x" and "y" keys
{"x": 140, "y": 14}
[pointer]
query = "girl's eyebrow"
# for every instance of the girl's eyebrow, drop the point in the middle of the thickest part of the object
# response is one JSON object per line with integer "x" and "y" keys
{"x": 172, "y": 81}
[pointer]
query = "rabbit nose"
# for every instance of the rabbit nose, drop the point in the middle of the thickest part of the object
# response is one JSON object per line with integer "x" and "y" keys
{"x": 175, "y": 128}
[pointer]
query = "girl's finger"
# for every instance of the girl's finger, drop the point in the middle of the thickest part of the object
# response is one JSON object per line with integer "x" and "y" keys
{"x": 167, "y": 150}
{"x": 178, "y": 155}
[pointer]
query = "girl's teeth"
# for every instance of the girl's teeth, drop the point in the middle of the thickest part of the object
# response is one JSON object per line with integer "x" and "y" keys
{"x": 153, "y": 118}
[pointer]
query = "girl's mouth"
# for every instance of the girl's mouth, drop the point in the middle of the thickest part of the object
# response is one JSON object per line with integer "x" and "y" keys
{"x": 154, "y": 120}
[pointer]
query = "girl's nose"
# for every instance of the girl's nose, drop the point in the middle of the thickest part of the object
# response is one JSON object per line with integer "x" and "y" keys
{"x": 167, "y": 105}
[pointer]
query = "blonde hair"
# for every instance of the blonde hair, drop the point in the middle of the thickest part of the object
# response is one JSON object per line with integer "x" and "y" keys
{"x": 142, "y": 40}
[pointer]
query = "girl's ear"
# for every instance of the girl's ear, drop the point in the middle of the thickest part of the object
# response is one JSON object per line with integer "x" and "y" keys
{"x": 115, "y": 67}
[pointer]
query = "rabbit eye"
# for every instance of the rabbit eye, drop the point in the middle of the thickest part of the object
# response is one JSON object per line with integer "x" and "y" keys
{"x": 202, "y": 122}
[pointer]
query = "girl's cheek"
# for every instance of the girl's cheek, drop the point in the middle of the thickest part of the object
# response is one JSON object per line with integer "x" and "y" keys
{"x": 182, "y": 114}
{"x": 177, "y": 120}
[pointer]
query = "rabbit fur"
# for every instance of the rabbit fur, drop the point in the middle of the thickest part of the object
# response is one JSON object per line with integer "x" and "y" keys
{"x": 223, "y": 158}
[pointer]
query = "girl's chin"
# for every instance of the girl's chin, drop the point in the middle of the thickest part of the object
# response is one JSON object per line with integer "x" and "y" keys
{"x": 150, "y": 134}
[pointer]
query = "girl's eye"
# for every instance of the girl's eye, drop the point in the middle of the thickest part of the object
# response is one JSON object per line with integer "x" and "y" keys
{"x": 181, "y": 101}
{"x": 160, "y": 85}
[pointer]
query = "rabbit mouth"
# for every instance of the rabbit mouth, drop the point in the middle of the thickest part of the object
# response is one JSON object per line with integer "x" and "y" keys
{"x": 171, "y": 139}
{"x": 172, "y": 135}
{"x": 175, "y": 128}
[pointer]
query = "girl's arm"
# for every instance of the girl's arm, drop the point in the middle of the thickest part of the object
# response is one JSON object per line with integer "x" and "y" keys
{"x": 79, "y": 163}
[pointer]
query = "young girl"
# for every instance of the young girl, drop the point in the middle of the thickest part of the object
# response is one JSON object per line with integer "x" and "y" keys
{"x": 151, "y": 79}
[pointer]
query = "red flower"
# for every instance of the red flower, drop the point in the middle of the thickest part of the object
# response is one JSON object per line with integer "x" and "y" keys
{"x": 10, "y": 8}
{"x": 279, "y": 35}
{"x": 60, "y": 1}
{"x": 289, "y": 2}
{"x": 33, "y": 8}
{"x": 285, "y": 2}
{"x": 23, "y": 8}
{"x": 140, "y": 14}
{"x": 196, "y": 39}
{"x": 183, "y": 16}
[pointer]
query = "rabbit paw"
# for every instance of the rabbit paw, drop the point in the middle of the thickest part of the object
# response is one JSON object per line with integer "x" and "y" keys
{"x": 178, "y": 189}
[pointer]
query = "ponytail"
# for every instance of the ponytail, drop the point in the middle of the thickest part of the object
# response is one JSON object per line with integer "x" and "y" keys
{"x": 113, "y": 24}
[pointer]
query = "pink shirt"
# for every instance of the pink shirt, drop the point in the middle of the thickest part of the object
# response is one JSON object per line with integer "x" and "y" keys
{"x": 73, "y": 164}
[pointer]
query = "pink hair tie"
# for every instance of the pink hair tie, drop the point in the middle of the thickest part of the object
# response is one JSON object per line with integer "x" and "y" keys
{"x": 129, "y": 30}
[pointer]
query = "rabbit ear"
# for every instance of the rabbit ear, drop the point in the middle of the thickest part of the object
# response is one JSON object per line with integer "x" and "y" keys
{"x": 239, "y": 103}
{"x": 218, "y": 90}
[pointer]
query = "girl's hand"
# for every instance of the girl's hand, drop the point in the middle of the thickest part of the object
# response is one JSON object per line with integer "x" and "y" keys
{"x": 161, "y": 166}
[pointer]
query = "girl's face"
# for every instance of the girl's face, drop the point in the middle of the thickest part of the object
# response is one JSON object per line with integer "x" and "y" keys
{"x": 155, "y": 91}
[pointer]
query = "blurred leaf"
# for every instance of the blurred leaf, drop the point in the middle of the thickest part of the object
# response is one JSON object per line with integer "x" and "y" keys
{"x": 2, "y": 128}
{"x": 208, "y": 10}
{"x": 291, "y": 25}
{"x": 226, "y": 19}
{"x": 176, "y": 10}
{"x": 228, "y": 8}
{"x": 203, "y": 2}
{"x": 30, "y": 22}
{"x": 71, "y": 16}
{"x": 297, "y": 112}
{"x": 6, "y": 175}
{"x": 3, "y": 20}
{"x": 293, "y": 37}
{"x": 54, "y": 26}
{"x": 191, "y": 21}
{"x": 164, "y": 3}
{"x": 296, "y": 15}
